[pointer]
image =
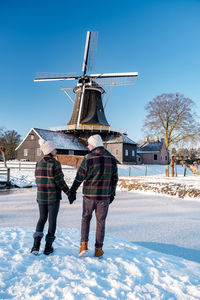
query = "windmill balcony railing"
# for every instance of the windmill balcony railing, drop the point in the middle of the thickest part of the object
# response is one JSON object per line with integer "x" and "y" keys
{"x": 84, "y": 127}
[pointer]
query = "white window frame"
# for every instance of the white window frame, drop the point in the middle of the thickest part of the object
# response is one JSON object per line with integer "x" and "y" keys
{"x": 32, "y": 137}
{"x": 25, "y": 152}
{"x": 38, "y": 152}
{"x": 126, "y": 152}
{"x": 133, "y": 152}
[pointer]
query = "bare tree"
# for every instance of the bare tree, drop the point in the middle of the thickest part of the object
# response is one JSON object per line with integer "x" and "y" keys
{"x": 172, "y": 117}
{"x": 9, "y": 140}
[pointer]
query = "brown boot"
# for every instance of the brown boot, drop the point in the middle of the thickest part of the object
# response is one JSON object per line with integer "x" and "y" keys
{"x": 98, "y": 252}
{"x": 83, "y": 249}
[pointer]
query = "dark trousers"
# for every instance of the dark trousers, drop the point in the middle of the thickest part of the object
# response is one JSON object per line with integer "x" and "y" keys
{"x": 49, "y": 212}
{"x": 101, "y": 209}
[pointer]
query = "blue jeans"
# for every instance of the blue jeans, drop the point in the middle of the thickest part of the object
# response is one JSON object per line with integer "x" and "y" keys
{"x": 101, "y": 210}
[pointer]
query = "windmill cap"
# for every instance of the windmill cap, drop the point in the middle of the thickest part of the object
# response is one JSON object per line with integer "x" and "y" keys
{"x": 95, "y": 140}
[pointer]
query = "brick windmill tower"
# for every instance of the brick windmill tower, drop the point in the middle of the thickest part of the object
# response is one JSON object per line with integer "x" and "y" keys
{"x": 88, "y": 116}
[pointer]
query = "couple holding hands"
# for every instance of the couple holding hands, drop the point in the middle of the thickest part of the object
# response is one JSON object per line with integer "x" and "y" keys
{"x": 99, "y": 174}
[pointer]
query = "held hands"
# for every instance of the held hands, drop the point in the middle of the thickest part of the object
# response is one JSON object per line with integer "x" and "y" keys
{"x": 71, "y": 196}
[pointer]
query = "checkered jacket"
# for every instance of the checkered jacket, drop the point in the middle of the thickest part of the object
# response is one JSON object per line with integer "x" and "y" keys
{"x": 99, "y": 173}
{"x": 50, "y": 180}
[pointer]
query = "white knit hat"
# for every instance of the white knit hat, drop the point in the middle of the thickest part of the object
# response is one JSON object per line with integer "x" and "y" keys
{"x": 95, "y": 140}
{"x": 46, "y": 146}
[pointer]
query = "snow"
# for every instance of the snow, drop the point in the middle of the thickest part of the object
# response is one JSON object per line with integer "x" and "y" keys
{"x": 127, "y": 271}
{"x": 23, "y": 174}
{"x": 152, "y": 245}
{"x": 61, "y": 140}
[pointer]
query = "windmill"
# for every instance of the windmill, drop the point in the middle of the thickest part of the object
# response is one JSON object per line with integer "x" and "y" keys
{"x": 88, "y": 112}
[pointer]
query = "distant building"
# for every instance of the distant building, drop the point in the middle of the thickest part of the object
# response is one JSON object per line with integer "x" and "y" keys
{"x": 122, "y": 147}
{"x": 153, "y": 152}
{"x": 29, "y": 148}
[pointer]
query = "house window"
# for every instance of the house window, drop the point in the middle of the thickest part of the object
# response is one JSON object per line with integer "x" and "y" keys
{"x": 38, "y": 151}
{"x": 71, "y": 152}
{"x": 25, "y": 152}
{"x": 117, "y": 152}
{"x": 126, "y": 152}
{"x": 165, "y": 157}
{"x": 32, "y": 136}
{"x": 155, "y": 157}
{"x": 133, "y": 152}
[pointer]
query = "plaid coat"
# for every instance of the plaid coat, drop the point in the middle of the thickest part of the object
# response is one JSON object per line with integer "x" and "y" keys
{"x": 50, "y": 180}
{"x": 99, "y": 172}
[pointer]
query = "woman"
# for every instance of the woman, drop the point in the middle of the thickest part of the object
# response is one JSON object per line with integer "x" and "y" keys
{"x": 50, "y": 182}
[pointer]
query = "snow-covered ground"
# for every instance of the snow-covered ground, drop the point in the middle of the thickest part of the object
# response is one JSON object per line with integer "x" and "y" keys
{"x": 25, "y": 176}
{"x": 152, "y": 250}
{"x": 152, "y": 245}
{"x": 127, "y": 271}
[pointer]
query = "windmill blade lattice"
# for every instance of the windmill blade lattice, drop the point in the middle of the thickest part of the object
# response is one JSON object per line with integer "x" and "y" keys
{"x": 44, "y": 76}
{"x": 115, "y": 79}
{"x": 92, "y": 50}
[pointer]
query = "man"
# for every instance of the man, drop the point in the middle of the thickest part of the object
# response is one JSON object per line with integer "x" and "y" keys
{"x": 50, "y": 182}
{"x": 98, "y": 171}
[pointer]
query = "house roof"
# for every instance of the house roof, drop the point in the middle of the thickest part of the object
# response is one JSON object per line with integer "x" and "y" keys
{"x": 60, "y": 140}
{"x": 122, "y": 138}
{"x": 146, "y": 147}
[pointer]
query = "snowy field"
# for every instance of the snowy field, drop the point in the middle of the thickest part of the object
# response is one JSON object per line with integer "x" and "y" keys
{"x": 152, "y": 245}
{"x": 152, "y": 250}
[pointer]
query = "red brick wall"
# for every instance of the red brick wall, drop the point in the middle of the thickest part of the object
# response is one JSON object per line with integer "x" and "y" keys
{"x": 70, "y": 160}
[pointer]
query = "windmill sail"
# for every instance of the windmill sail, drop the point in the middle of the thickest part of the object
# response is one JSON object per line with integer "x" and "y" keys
{"x": 55, "y": 76}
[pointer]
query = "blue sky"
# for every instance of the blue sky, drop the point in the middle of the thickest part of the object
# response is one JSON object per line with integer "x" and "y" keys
{"x": 159, "y": 39}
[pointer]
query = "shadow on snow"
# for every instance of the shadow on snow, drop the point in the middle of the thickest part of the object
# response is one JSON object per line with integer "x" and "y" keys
{"x": 189, "y": 254}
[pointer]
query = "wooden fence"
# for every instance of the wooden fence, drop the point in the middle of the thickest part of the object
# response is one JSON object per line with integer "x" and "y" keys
{"x": 5, "y": 172}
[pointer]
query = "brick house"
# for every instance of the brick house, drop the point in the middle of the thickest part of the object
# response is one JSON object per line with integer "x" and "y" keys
{"x": 153, "y": 152}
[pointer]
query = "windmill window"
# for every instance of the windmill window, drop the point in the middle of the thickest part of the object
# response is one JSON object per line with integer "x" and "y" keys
{"x": 25, "y": 152}
{"x": 38, "y": 151}
{"x": 155, "y": 157}
{"x": 126, "y": 152}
